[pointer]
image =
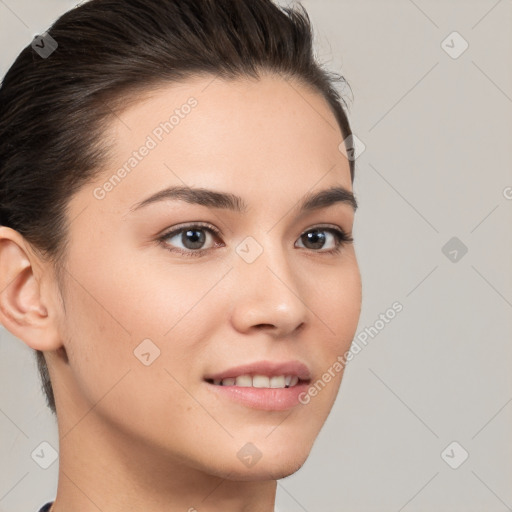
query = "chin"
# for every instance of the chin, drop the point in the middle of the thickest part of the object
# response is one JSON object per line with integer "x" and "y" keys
{"x": 263, "y": 473}
{"x": 275, "y": 467}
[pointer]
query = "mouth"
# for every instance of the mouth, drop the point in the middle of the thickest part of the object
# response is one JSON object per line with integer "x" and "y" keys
{"x": 262, "y": 374}
{"x": 255, "y": 391}
{"x": 264, "y": 385}
{"x": 260, "y": 381}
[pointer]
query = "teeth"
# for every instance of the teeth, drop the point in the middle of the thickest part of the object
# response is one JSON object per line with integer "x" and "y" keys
{"x": 278, "y": 382}
{"x": 244, "y": 381}
{"x": 259, "y": 381}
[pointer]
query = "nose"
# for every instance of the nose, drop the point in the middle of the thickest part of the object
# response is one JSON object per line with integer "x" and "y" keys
{"x": 267, "y": 295}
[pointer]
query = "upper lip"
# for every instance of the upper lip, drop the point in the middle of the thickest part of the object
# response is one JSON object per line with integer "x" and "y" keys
{"x": 268, "y": 368}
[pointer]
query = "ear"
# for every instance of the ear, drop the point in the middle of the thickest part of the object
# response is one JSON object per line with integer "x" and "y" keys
{"x": 25, "y": 311}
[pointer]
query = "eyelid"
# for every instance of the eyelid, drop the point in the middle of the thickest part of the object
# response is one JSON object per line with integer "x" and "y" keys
{"x": 343, "y": 237}
{"x": 325, "y": 226}
{"x": 169, "y": 231}
{"x": 180, "y": 227}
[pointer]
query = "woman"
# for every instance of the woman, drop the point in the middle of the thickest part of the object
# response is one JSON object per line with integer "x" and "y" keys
{"x": 176, "y": 247}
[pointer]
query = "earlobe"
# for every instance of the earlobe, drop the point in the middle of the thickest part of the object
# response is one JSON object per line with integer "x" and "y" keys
{"x": 23, "y": 309}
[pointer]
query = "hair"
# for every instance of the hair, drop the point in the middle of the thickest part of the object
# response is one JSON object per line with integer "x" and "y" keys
{"x": 55, "y": 108}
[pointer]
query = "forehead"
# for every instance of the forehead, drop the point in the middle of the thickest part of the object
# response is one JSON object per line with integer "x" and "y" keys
{"x": 267, "y": 136}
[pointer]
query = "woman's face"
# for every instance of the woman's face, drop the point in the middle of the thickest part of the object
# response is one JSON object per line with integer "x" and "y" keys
{"x": 147, "y": 321}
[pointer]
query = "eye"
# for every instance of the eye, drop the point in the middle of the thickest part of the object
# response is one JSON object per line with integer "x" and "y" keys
{"x": 193, "y": 238}
{"x": 316, "y": 237}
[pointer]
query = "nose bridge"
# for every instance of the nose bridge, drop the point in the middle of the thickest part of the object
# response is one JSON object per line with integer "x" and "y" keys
{"x": 265, "y": 262}
{"x": 268, "y": 291}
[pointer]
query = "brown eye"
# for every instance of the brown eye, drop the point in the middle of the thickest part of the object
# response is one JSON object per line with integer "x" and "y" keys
{"x": 192, "y": 239}
{"x": 316, "y": 239}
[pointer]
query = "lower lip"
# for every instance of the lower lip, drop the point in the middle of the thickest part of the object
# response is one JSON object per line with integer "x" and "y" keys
{"x": 266, "y": 399}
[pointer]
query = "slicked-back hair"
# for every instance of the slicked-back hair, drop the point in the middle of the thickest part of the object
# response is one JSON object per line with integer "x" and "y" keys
{"x": 55, "y": 109}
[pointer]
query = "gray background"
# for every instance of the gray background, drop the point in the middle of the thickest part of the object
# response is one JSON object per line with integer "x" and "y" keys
{"x": 437, "y": 161}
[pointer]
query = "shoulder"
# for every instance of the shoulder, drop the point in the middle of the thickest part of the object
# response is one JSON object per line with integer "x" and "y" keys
{"x": 46, "y": 507}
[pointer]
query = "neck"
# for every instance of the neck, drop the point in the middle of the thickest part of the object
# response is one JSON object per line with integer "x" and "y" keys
{"x": 102, "y": 468}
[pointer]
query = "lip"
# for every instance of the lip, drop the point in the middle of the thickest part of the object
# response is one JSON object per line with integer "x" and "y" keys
{"x": 265, "y": 399}
{"x": 268, "y": 368}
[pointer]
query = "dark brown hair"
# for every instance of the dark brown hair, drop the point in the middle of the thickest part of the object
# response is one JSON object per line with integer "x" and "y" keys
{"x": 54, "y": 107}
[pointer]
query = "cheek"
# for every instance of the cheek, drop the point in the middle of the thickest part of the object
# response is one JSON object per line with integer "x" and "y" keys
{"x": 335, "y": 300}
{"x": 106, "y": 325}
{"x": 143, "y": 300}
{"x": 112, "y": 310}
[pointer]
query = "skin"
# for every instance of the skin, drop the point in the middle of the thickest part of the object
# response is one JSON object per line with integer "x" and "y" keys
{"x": 136, "y": 437}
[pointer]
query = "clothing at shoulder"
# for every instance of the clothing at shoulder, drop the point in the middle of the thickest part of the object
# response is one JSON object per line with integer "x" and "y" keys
{"x": 46, "y": 507}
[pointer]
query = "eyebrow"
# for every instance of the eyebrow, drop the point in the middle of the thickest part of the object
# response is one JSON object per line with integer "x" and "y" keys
{"x": 224, "y": 200}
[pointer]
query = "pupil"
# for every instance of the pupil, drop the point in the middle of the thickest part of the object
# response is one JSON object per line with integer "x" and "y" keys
{"x": 196, "y": 238}
{"x": 314, "y": 236}
{"x": 317, "y": 237}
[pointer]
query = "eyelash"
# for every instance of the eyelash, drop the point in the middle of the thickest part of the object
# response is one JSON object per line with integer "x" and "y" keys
{"x": 342, "y": 239}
